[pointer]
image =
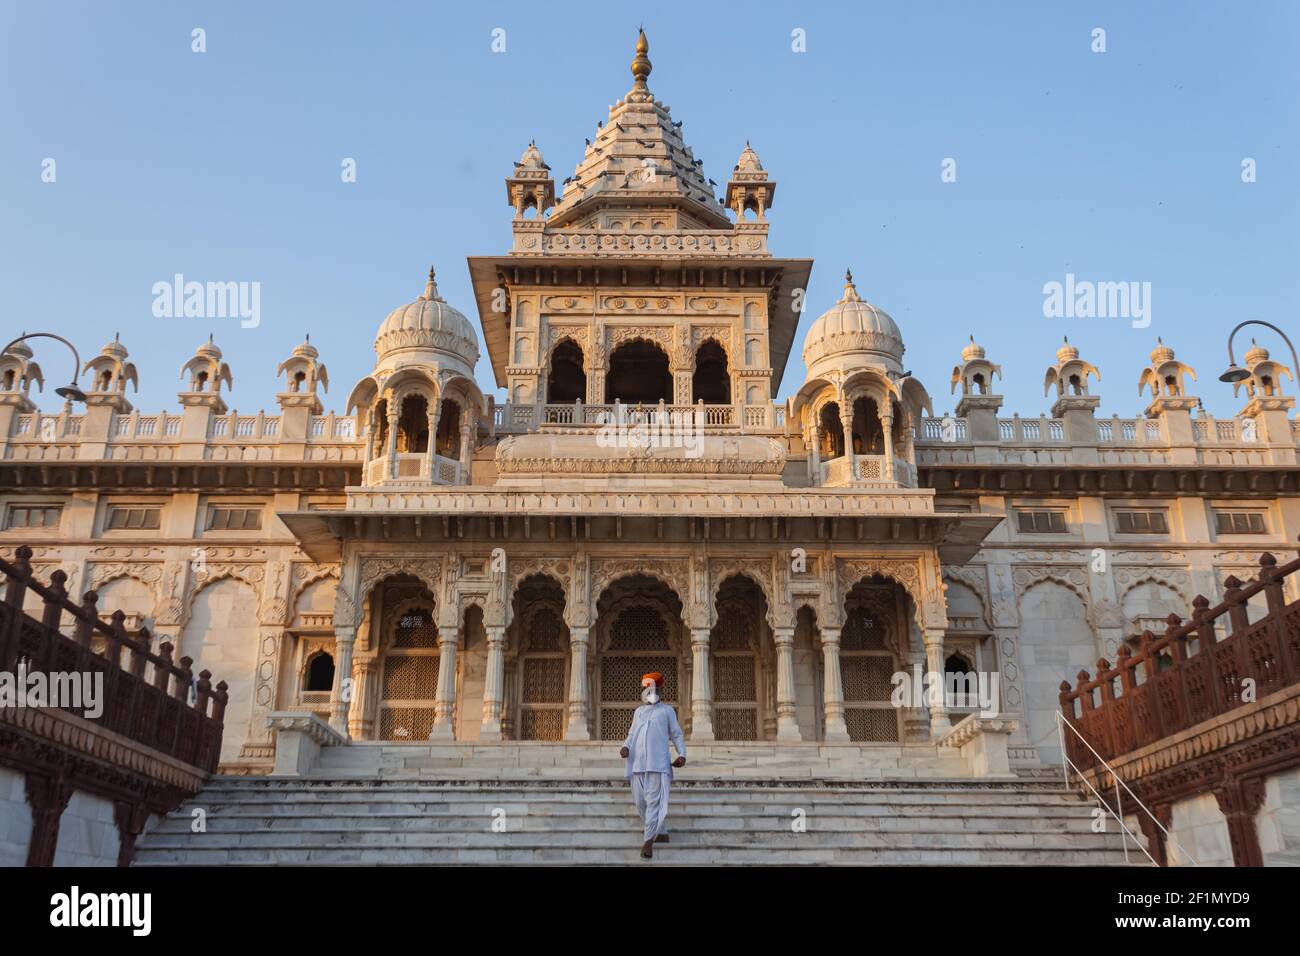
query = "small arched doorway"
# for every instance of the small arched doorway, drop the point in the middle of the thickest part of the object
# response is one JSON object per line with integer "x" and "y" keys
{"x": 871, "y": 643}
{"x": 832, "y": 432}
{"x": 711, "y": 384}
{"x": 638, "y": 630}
{"x": 734, "y": 651}
{"x": 542, "y": 641}
{"x": 638, "y": 374}
{"x": 567, "y": 382}
{"x": 408, "y": 673}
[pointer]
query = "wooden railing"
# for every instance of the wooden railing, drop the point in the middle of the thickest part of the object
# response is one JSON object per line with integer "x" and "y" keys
{"x": 1187, "y": 675}
{"x": 146, "y": 696}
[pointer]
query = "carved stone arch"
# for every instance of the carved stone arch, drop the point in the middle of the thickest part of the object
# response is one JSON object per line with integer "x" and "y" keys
{"x": 374, "y": 570}
{"x": 251, "y": 575}
{"x": 672, "y": 574}
{"x": 662, "y": 336}
{"x": 756, "y": 571}
{"x": 974, "y": 577}
{"x": 558, "y": 335}
{"x": 303, "y": 577}
{"x": 1177, "y": 580}
{"x": 1072, "y": 579}
{"x": 561, "y": 569}
{"x": 905, "y": 572}
{"x": 150, "y": 575}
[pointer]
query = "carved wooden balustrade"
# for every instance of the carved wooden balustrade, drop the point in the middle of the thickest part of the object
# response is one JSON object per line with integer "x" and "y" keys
{"x": 1189, "y": 674}
{"x": 146, "y": 695}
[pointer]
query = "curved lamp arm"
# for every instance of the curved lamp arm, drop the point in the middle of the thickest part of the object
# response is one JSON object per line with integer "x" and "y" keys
{"x": 1237, "y": 374}
{"x": 69, "y": 391}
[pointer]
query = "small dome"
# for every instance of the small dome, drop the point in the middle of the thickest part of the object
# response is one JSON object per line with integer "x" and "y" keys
{"x": 1256, "y": 354}
{"x": 208, "y": 350}
{"x": 972, "y": 351}
{"x": 748, "y": 162}
{"x": 306, "y": 350}
{"x": 1066, "y": 353}
{"x": 428, "y": 323}
{"x": 115, "y": 349}
{"x": 852, "y": 325}
{"x": 1161, "y": 353}
{"x": 532, "y": 158}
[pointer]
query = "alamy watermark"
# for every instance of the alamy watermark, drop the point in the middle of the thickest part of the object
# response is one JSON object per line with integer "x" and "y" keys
{"x": 1083, "y": 299}
{"x": 65, "y": 690}
{"x": 208, "y": 300}
{"x": 648, "y": 429}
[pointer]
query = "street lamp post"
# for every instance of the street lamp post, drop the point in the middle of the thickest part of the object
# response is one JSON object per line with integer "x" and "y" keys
{"x": 71, "y": 391}
{"x": 1234, "y": 372}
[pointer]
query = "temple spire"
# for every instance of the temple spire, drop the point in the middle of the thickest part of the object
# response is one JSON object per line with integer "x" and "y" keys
{"x": 641, "y": 63}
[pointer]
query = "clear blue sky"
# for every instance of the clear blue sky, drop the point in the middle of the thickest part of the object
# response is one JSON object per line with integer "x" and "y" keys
{"x": 1121, "y": 166}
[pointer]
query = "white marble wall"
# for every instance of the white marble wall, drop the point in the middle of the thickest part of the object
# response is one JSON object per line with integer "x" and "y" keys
{"x": 87, "y": 834}
{"x": 1202, "y": 830}
{"x": 1278, "y": 822}
{"x": 15, "y": 819}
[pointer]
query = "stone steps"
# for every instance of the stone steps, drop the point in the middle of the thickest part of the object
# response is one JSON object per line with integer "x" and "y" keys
{"x": 258, "y": 821}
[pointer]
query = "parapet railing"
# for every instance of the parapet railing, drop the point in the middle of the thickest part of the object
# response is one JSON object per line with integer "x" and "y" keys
{"x": 510, "y": 418}
{"x": 146, "y": 697}
{"x": 1187, "y": 675}
{"x": 1139, "y": 432}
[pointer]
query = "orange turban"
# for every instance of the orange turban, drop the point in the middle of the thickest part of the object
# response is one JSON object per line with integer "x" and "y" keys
{"x": 655, "y": 676}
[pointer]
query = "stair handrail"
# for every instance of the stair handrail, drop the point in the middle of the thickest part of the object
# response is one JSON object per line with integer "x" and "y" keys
{"x": 1068, "y": 765}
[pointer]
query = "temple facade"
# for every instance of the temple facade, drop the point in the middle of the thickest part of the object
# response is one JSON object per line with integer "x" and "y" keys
{"x": 435, "y": 564}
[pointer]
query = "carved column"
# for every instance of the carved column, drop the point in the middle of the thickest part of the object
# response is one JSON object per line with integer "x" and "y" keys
{"x": 701, "y": 686}
{"x": 815, "y": 456}
{"x": 833, "y": 687}
{"x": 787, "y": 726}
{"x": 48, "y": 797}
{"x": 887, "y": 425}
{"x": 394, "y": 414}
{"x": 466, "y": 449}
{"x": 846, "y": 423}
{"x": 577, "y": 726}
{"x": 444, "y": 714}
{"x": 939, "y": 723}
{"x": 1157, "y": 844}
{"x": 494, "y": 683}
{"x": 431, "y": 461}
{"x": 130, "y": 819}
{"x": 1240, "y": 801}
{"x": 341, "y": 693}
{"x": 360, "y": 723}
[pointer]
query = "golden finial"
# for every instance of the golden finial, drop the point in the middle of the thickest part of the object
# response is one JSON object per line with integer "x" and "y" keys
{"x": 850, "y": 290}
{"x": 641, "y": 63}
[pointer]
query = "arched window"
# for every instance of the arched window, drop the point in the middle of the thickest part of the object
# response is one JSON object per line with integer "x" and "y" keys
{"x": 832, "y": 432}
{"x": 413, "y": 425}
{"x": 567, "y": 382}
{"x": 638, "y": 374}
{"x": 868, "y": 436}
{"x": 959, "y": 681}
{"x": 711, "y": 384}
{"x": 381, "y": 427}
{"x": 319, "y": 675}
{"x": 448, "y": 441}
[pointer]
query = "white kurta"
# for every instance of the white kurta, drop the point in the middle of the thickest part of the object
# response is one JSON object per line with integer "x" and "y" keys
{"x": 649, "y": 767}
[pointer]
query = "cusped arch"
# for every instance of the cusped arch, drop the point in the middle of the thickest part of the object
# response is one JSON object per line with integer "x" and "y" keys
{"x": 906, "y": 574}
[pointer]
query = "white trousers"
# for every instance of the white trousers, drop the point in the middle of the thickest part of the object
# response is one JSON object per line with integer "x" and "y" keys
{"x": 650, "y": 791}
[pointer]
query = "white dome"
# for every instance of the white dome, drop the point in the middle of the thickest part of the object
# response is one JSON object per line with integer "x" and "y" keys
{"x": 428, "y": 323}
{"x": 852, "y": 325}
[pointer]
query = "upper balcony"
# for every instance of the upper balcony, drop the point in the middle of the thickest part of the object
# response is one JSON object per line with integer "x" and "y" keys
{"x": 1234, "y": 442}
{"x": 765, "y": 419}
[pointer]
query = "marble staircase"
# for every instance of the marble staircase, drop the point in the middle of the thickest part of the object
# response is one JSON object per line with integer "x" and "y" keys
{"x": 435, "y": 816}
